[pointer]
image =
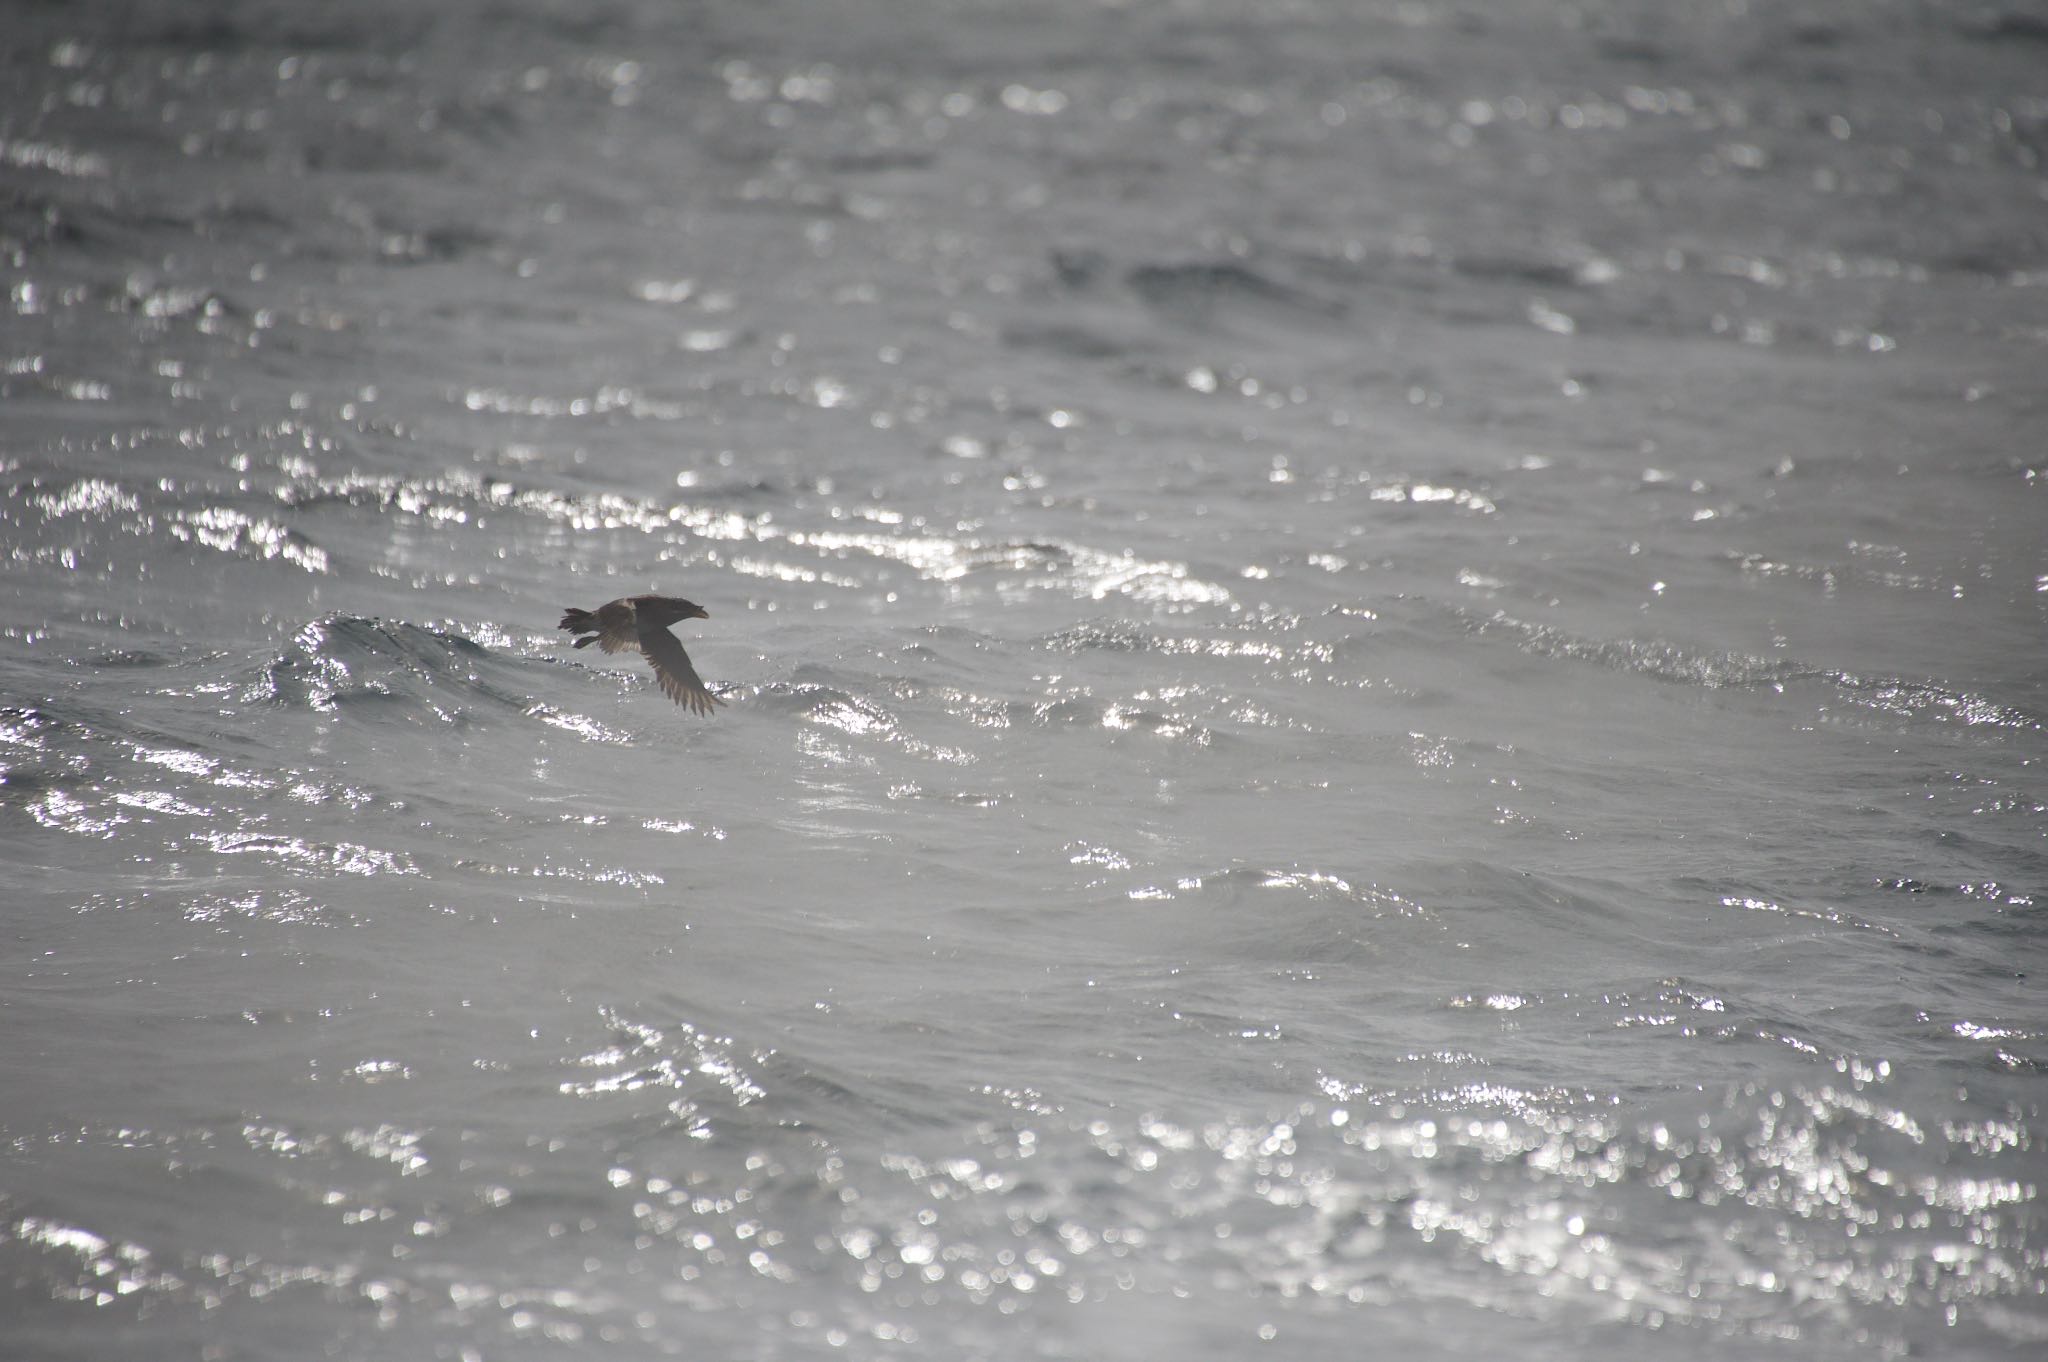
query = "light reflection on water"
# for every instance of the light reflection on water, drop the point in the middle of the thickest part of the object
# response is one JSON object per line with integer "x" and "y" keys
{"x": 1377, "y": 677}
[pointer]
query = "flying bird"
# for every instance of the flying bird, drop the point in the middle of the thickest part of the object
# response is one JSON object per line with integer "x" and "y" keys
{"x": 641, "y": 623}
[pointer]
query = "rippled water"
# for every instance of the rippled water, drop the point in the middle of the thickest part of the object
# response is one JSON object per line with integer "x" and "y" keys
{"x": 1383, "y": 670}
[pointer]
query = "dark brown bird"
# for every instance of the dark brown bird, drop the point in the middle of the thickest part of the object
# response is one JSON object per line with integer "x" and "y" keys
{"x": 641, "y": 623}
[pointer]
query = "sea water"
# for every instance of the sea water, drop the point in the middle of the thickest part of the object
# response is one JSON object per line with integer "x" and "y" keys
{"x": 1383, "y": 674}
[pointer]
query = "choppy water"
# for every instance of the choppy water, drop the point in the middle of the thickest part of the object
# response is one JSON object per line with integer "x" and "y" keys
{"x": 1384, "y": 673}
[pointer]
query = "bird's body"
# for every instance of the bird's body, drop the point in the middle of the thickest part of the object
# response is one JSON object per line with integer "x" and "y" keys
{"x": 640, "y": 624}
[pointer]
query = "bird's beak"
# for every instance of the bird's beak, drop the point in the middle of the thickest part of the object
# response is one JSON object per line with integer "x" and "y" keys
{"x": 702, "y": 613}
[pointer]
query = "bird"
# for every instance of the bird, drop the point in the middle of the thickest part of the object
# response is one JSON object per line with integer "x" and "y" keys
{"x": 641, "y": 622}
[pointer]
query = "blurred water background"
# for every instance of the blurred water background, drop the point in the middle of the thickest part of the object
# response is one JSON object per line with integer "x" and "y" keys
{"x": 1384, "y": 671}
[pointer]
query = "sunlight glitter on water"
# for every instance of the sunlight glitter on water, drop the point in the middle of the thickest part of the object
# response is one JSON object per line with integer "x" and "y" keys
{"x": 1354, "y": 705}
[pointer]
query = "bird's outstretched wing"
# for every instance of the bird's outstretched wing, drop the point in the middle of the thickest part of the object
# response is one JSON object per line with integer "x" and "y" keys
{"x": 679, "y": 680}
{"x": 617, "y": 631}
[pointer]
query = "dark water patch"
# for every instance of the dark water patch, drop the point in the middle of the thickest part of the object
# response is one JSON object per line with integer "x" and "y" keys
{"x": 1482, "y": 890}
{"x": 1993, "y": 260}
{"x": 1020, "y": 555}
{"x": 2008, "y": 26}
{"x": 1198, "y": 291}
{"x": 229, "y": 29}
{"x": 37, "y": 755}
{"x": 1065, "y": 341}
{"x": 963, "y": 666}
{"x": 127, "y": 657}
{"x": 1079, "y": 269}
{"x": 1637, "y": 51}
{"x": 1201, "y": 289}
{"x": 26, "y": 781}
{"x": 33, "y": 220}
{"x": 1520, "y": 270}
{"x": 366, "y": 149}
{"x": 1818, "y": 34}
{"x": 434, "y": 245}
{"x": 876, "y": 162}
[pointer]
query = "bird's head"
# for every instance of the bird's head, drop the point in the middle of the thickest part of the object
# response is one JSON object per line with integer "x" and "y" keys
{"x": 675, "y": 608}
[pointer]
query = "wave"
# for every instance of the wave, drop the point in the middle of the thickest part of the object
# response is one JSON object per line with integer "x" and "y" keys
{"x": 1711, "y": 669}
{"x": 1199, "y": 290}
{"x": 362, "y": 666}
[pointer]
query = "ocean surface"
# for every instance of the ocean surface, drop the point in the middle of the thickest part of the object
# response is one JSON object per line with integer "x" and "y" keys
{"x": 1384, "y": 669}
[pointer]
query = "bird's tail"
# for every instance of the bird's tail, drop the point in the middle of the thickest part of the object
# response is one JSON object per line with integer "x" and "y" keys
{"x": 579, "y": 621}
